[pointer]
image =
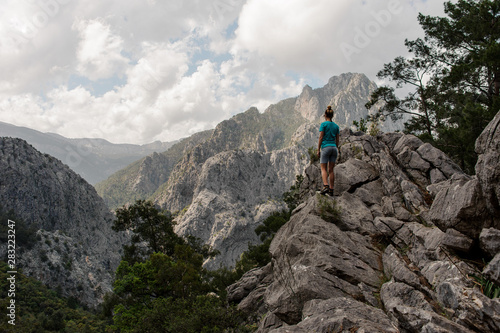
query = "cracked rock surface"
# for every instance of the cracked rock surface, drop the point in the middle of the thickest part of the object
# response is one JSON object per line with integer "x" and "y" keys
{"x": 402, "y": 257}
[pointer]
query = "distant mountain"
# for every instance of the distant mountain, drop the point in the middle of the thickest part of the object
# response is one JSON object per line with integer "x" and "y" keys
{"x": 226, "y": 182}
{"x": 93, "y": 159}
{"x": 73, "y": 248}
{"x": 142, "y": 178}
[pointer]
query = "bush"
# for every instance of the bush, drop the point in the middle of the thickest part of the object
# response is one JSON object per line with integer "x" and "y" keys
{"x": 328, "y": 209}
{"x": 313, "y": 154}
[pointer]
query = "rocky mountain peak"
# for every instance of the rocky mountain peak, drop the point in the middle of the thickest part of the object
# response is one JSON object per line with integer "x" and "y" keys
{"x": 346, "y": 93}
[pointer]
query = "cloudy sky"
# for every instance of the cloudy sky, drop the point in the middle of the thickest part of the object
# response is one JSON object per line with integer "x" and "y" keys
{"x": 136, "y": 71}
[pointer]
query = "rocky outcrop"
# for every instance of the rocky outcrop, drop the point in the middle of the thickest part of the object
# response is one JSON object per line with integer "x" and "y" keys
{"x": 74, "y": 249}
{"x": 233, "y": 193}
{"x": 487, "y": 171}
{"x": 464, "y": 199}
{"x": 228, "y": 184}
{"x": 371, "y": 259}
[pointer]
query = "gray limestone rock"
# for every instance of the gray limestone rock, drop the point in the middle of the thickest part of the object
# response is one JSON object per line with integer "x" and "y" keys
{"x": 457, "y": 203}
{"x": 341, "y": 314}
{"x": 406, "y": 214}
{"x": 75, "y": 248}
{"x": 457, "y": 241}
{"x": 249, "y": 291}
{"x": 315, "y": 259}
{"x": 412, "y": 312}
{"x": 489, "y": 241}
{"x": 487, "y": 170}
{"x": 492, "y": 270}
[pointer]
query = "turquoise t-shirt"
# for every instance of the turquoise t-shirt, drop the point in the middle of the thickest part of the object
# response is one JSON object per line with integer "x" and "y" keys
{"x": 331, "y": 131}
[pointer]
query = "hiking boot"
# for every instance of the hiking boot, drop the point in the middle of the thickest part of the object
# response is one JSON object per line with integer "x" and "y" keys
{"x": 330, "y": 192}
{"x": 325, "y": 190}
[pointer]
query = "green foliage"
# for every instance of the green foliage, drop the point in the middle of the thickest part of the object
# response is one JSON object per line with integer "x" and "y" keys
{"x": 453, "y": 79}
{"x": 40, "y": 309}
{"x": 255, "y": 256}
{"x": 164, "y": 287}
{"x": 25, "y": 234}
{"x": 203, "y": 313}
{"x": 292, "y": 197}
{"x": 160, "y": 276}
{"x": 368, "y": 125}
{"x": 148, "y": 226}
{"x": 170, "y": 294}
{"x": 374, "y": 129}
{"x": 361, "y": 125}
{"x": 313, "y": 154}
{"x": 328, "y": 209}
{"x": 272, "y": 224}
{"x": 488, "y": 288}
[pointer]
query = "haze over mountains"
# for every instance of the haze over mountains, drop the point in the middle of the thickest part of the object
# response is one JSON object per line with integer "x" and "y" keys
{"x": 93, "y": 159}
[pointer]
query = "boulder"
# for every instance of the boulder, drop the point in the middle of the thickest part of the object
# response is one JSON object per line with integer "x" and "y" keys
{"x": 457, "y": 241}
{"x": 315, "y": 259}
{"x": 340, "y": 314}
{"x": 458, "y": 203}
{"x": 487, "y": 170}
{"x": 489, "y": 241}
{"x": 412, "y": 312}
{"x": 492, "y": 270}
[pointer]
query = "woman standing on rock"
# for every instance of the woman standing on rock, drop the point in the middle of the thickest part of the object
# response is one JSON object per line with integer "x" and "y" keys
{"x": 327, "y": 150}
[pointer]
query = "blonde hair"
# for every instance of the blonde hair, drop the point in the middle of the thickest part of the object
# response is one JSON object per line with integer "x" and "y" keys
{"x": 329, "y": 112}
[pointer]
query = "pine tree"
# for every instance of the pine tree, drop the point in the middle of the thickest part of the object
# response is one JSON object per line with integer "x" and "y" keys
{"x": 453, "y": 78}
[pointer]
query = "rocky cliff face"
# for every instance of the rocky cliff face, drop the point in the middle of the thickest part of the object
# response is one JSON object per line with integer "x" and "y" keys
{"x": 224, "y": 193}
{"x": 75, "y": 249}
{"x": 401, "y": 254}
{"x": 142, "y": 178}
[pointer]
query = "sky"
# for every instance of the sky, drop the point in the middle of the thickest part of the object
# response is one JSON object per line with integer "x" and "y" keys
{"x": 138, "y": 71}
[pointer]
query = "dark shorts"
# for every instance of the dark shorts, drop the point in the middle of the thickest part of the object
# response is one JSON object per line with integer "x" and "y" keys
{"x": 328, "y": 154}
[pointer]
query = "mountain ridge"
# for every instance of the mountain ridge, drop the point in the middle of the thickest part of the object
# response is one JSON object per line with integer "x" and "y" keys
{"x": 281, "y": 135}
{"x": 272, "y": 129}
{"x": 93, "y": 159}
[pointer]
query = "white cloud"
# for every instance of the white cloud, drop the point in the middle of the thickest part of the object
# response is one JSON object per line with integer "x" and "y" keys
{"x": 173, "y": 68}
{"x": 329, "y": 37}
{"x": 99, "y": 50}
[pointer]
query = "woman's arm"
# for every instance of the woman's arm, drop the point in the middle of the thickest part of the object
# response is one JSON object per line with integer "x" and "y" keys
{"x": 321, "y": 135}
